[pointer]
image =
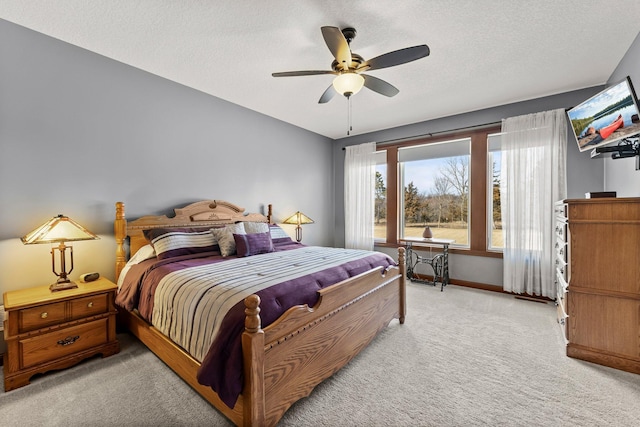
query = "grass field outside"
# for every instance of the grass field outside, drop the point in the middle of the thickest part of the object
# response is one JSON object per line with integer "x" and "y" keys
{"x": 459, "y": 233}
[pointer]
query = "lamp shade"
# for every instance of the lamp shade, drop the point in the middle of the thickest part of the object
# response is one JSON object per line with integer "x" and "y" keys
{"x": 348, "y": 84}
{"x": 298, "y": 218}
{"x": 58, "y": 229}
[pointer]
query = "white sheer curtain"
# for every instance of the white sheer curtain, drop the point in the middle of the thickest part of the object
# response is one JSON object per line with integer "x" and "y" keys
{"x": 532, "y": 178}
{"x": 359, "y": 193}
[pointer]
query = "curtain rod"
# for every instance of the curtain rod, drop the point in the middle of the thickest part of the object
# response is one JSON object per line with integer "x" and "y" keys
{"x": 430, "y": 134}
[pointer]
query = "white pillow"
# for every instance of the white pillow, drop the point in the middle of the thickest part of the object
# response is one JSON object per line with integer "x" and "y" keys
{"x": 225, "y": 237}
{"x": 144, "y": 253}
{"x": 256, "y": 227}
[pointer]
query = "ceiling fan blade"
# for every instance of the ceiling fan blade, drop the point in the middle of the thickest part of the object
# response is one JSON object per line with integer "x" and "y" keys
{"x": 380, "y": 86}
{"x": 338, "y": 45}
{"x": 302, "y": 73}
{"x": 327, "y": 95}
{"x": 397, "y": 57}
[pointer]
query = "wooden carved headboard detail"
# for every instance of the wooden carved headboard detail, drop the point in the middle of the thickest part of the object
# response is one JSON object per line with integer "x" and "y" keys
{"x": 204, "y": 214}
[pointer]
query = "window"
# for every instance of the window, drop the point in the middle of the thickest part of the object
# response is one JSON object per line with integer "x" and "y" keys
{"x": 380, "y": 204}
{"x": 494, "y": 215}
{"x": 435, "y": 182}
{"x": 443, "y": 182}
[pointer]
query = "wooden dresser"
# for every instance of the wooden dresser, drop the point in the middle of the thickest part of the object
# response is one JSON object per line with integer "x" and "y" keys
{"x": 48, "y": 330}
{"x": 600, "y": 308}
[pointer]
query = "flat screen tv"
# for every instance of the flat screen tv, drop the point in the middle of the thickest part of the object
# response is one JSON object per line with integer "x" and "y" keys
{"x": 607, "y": 117}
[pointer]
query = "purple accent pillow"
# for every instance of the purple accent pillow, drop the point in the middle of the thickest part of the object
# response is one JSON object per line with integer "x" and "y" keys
{"x": 171, "y": 242}
{"x": 253, "y": 244}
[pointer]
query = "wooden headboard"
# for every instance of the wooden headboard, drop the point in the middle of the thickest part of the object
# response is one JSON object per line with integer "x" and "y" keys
{"x": 204, "y": 214}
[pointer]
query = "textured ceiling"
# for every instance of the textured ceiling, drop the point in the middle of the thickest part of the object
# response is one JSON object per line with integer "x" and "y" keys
{"x": 483, "y": 53}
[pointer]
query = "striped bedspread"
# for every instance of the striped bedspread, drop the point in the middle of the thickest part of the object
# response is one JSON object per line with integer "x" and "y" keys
{"x": 198, "y": 300}
{"x": 190, "y": 304}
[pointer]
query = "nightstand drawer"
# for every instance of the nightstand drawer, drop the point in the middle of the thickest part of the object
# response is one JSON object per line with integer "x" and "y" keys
{"x": 89, "y": 306}
{"x": 34, "y": 318}
{"x": 61, "y": 343}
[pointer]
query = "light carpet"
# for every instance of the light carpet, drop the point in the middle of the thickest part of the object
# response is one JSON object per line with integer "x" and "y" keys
{"x": 464, "y": 357}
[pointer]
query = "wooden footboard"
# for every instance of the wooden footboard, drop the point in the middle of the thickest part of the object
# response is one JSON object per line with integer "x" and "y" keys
{"x": 286, "y": 360}
{"x": 307, "y": 345}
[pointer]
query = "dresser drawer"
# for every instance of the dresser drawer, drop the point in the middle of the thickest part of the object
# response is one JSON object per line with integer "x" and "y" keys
{"x": 561, "y": 283}
{"x": 562, "y": 317}
{"x": 560, "y": 209}
{"x": 54, "y": 345}
{"x": 561, "y": 231}
{"x": 561, "y": 249}
{"x": 89, "y": 306}
{"x": 41, "y": 316}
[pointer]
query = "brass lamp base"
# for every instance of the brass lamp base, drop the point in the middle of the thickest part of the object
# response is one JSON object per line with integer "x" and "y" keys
{"x": 62, "y": 286}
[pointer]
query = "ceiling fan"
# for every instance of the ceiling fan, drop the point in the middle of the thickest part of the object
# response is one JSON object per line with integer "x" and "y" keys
{"x": 349, "y": 66}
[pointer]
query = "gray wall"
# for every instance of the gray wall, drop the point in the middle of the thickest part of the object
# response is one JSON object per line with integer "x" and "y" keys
{"x": 621, "y": 174}
{"x": 79, "y": 132}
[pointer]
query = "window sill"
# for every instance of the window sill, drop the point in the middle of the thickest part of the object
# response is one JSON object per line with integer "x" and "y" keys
{"x": 457, "y": 251}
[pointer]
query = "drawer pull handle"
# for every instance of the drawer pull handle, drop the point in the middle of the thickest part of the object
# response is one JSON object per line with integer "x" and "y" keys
{"x": 68, "y": 340}
{"x": 90, "y": 304}
{"x": 44, "y": 315}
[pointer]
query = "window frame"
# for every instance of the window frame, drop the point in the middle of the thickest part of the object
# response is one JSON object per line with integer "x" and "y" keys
{"x": 479, "y": 242}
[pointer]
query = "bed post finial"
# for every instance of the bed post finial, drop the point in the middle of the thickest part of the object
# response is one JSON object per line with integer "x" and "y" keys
{"x": 270, "y": 214}
{"x": 252, "y": 312}
{"x": 120, "y": 231}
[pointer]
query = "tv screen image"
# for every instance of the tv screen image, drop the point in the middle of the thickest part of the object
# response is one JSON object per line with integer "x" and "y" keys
{"x": 606, "y": 117}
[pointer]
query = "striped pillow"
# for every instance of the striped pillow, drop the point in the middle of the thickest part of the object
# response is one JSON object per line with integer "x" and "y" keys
{"x": 169, "y": 242}
{"x": 278, "y": 235}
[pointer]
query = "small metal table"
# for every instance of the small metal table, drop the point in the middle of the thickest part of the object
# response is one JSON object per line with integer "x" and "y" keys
{"x": 439, "y": 262}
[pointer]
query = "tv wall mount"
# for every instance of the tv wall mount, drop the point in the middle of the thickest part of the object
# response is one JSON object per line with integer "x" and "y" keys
{"x": 627, "y": 147}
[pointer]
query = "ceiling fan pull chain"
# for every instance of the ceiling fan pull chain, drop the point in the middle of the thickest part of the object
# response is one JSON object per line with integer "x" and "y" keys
{"x": 349, "y": 127}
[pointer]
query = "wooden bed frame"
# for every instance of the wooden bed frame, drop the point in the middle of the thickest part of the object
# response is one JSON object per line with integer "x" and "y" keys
{"x": 286, "y": 360}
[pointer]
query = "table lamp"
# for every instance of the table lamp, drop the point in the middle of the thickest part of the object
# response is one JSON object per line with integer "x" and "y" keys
{"x": 298, "y": 218}
{"x": 60, "y": 229}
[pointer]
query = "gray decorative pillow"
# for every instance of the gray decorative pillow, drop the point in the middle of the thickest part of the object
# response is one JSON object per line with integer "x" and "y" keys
{"x": 256, "y": 227}
{"x": 225, "y": 238}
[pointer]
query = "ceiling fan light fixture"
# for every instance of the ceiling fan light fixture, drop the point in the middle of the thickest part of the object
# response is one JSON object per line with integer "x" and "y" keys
{"x": 348, "y": 84}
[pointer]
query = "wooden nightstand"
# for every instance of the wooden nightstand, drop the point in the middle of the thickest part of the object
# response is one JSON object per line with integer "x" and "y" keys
{"x": 47, "y": 330}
